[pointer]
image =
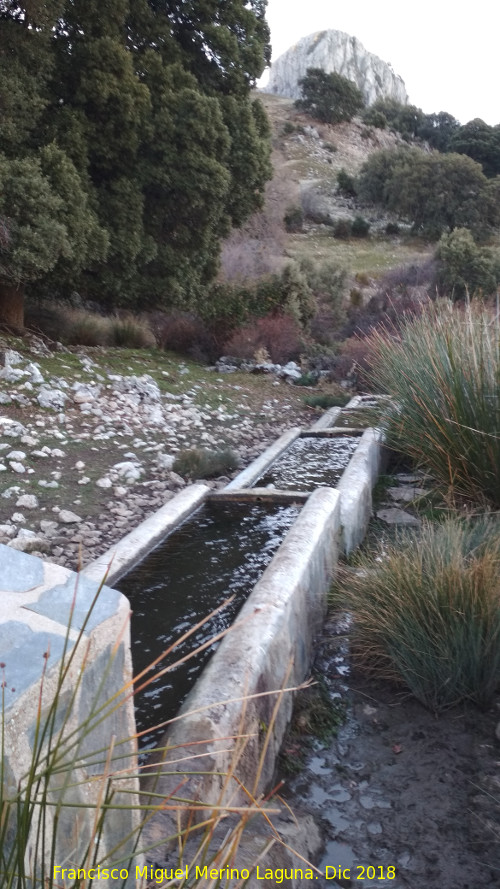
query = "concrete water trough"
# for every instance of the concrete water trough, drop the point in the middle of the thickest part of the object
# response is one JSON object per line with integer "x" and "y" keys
{"x": 271, "y": 642}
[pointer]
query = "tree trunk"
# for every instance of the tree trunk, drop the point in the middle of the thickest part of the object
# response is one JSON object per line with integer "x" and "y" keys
{"x": 12, "y": 305}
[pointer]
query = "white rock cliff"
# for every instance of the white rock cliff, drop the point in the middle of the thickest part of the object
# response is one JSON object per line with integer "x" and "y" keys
{"x": 335, "y": 51}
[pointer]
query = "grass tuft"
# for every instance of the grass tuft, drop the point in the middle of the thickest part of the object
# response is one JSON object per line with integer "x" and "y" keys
{"x": 443, "y": 371}
{"x": 202, "y": 463}
{"x": 427, "y": 612}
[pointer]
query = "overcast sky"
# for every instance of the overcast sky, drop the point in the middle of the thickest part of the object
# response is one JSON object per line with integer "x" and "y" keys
{"x": 447, "y": 53}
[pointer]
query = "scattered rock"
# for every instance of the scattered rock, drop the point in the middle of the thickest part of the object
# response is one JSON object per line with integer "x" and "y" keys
{"x": 30, "y": 544}
{"x": 28, "y": 501}
{"x": 68, "y": 517}
{"x": 407, "y": 493}
{"x": 395, "y": 516}
{"x": 17, "y": 467}
{"x": 53, "y": 399}
{"x": 16, "y": 455}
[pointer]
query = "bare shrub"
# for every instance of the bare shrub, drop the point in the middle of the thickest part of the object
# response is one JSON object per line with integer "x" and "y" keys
{"x": 183, "y": 333}
{"x": 280, "y": 335}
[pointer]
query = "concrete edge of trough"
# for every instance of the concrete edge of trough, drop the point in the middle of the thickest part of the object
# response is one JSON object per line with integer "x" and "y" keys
{"x": 269, "y": 647}
{"x": 327, "y": 419}
{"x": 249, "y": 475}
{"x": 260, "y": 495}
{"x": 355, "y": 488}
{"x": 338, "y": 432}
{"x": 124, "y": 554}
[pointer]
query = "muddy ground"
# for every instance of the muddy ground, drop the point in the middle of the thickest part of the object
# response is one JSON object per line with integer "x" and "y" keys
{"x": 399, "y": 787}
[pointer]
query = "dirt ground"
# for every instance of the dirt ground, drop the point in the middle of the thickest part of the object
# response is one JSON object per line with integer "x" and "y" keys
{"x": 400, "y": 788}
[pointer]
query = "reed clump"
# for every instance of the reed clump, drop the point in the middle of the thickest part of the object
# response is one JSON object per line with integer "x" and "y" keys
{"x": 443, "y": 372}
{"x": 427, "y": 611}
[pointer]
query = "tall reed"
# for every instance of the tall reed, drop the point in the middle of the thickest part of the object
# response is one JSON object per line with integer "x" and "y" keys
{"x": 43, "y": 809}
{"x": 427, "y": 612}
{"x": 443, "y": 371}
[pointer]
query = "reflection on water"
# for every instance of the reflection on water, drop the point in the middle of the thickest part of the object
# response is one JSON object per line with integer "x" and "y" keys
{"x": 310, "y": 463}
{"x": 218, "y": 552}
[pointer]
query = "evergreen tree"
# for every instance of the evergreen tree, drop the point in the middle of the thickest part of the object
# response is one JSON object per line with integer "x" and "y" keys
{"x": 146, "y": 105}
{"x": 330, "y": 98}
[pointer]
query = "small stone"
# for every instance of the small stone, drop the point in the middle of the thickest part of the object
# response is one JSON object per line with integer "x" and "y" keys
{"x": 80, "y": 465}
{"x": 84, "y": 480}
{"x": 407, "y": 493}
{"x": 7, "y": 530}
{"x": 8, "y": 493}
{"x": 17, "y": 517}
{"x": 47, "y": 526}
{"x": 16, "y": 455}
{"x": 51, "y": 398}
{"x": 28, "y": 501}
{"x": 34, "y": 372}
{"x": 394, "y": 516}
{"x": 104, "y": 482}
{"x": 68, "y": 517}
{"x": 17, "y": 467}
{"x": 56, "y": 452}
{"x": 30, "y": 544}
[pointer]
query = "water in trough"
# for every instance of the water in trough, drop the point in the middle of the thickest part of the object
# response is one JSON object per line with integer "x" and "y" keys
{"x": 219, "y": 551}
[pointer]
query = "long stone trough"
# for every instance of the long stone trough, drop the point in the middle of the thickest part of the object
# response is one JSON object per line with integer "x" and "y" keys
{"x": 269, "y": 647}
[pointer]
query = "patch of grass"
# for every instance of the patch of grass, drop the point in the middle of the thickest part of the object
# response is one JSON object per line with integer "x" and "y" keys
{"x": 373, "y": 256}
{"x": 443, "y": 372}
{"x": 131, "y": 332}
{"x": 324, "y": 401}
{"x": 427, "y": 611}
{"x": 315, "y": 717}
{"x": 202, "y": 463}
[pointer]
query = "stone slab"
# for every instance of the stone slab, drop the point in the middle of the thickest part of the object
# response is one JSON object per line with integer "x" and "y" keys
{"x": 73, "y": 601}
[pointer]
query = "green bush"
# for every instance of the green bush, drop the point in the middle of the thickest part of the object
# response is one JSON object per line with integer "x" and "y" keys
{"x": 330, "y": 98}
{"x": 288, "y": 128}
{"x": 342, "y": 229}
{"x": 360, "y": 227}
{"x": 465, "y": 268}
{"x": 324, "y": 401}
{"x": 202, "y": 463}
{"x": 294, "y": 219}
{"x": 346, "y": 183}
{"x": 444, "y": 374}
{"x": 392, "y": 228}
{"x": 427, "y": 612}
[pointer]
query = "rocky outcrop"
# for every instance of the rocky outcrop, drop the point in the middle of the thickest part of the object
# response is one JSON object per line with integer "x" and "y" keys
{"x": 336, "y": 51}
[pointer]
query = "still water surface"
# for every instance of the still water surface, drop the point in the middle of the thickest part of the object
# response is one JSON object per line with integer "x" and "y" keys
{"x": 218, "y": 552}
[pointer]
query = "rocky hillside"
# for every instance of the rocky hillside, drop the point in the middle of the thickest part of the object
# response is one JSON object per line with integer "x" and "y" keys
{"x": 339, "y": 52}
{"x": 306, "y": 158}
{"x": 88, "y": 438}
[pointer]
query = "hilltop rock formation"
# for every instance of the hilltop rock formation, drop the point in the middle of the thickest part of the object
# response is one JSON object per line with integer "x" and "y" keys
{"x": 336, "y": 51}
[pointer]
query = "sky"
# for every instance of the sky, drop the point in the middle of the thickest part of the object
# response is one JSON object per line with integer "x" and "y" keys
{"x": 447, "y": 54}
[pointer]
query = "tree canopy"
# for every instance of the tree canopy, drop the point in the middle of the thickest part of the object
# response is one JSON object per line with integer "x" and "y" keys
{"x": 435, "y": 192}
{"x": 134, "y": 124}
{"x": 330, "y": 98}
